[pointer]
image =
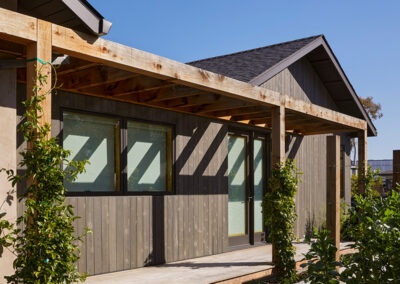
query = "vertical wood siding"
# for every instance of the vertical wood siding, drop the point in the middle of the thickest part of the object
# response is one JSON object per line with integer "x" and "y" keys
{"x": 300, "y": 81}
{"x": 135, "y": 231}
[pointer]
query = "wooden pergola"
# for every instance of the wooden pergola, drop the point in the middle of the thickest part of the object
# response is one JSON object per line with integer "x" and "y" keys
{"x": 113, "y": 71}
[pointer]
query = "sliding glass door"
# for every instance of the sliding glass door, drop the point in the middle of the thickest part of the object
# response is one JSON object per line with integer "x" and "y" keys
{"x": 237, "y": 187}
{"x": 246, "y": 187}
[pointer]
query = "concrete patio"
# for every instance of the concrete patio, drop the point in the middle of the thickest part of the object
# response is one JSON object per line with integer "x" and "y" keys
{"x": 209, "y": 269}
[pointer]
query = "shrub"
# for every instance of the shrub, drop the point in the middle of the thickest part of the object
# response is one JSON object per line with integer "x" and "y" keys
{"x": 280, "y": 214}
{"x": 321, "y": 262}
{"x": 377, "y": 238}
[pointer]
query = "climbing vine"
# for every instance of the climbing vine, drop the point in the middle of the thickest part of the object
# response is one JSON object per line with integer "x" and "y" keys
{"x": 279, "y": 211}
{"x": 42, "y": 239}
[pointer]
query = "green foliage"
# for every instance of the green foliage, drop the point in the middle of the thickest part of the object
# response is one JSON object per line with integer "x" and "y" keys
{"x": 43, "y": 237}
{"x": 373, "y": 179}
{"x": 280, "y": 214}
{"x": 377, "y": 239}
{"x": 321, "y": 262}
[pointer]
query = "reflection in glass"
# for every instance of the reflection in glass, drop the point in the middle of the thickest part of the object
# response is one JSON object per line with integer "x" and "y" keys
{"x": 92, "y": 138}
{"x": 237, "y": 185}
{"x": 149, "y": 157}
{"x": 258, "y": 185}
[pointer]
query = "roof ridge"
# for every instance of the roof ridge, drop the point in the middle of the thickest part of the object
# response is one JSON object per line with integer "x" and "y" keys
{"x": 253, "y": 49}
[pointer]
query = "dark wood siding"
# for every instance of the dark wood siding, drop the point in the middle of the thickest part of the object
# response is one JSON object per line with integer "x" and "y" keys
{"x": 135, "y": 231}
{"x": 301, "y": 81}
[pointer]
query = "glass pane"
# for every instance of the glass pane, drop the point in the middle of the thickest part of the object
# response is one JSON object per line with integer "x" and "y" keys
{"x": 149, "y": 161}
{"x": 258, "y": 185}
{"x": 92, "y": 138}
{"x": 237, "y": 186}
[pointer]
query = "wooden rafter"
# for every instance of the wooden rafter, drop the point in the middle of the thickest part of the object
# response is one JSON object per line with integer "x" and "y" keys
{"x": 19, "y": 28}
{"x": 92, "y": 77}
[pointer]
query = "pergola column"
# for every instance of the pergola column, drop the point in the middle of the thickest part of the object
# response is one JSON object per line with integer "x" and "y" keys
{"x": 396, "y": 168}
{"x": 278, "y": 146}
{"x": 362, "y": 160}
{"x": 37, "y": 54}
{"x": 333, "y": 190}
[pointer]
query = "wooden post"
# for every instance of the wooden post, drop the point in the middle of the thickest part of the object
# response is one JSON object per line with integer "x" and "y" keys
{"x": 278, "y": 148}
{"x": 333, "y": 190}
{"x": 362, "y": 160}
{"x": 396, "y": 168}
{"x": 37, "y": 53}
{"x": 278, "y": 135}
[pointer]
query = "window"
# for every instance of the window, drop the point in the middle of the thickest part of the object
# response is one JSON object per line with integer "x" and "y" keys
{"x": 145, "y": 162}
{"x": 149, "y": 157}
{"x": 96, "y": 139}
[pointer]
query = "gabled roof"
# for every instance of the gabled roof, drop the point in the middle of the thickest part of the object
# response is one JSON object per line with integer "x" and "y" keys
{"x": 258, "y": 65}
{"x": 78, "y": 15}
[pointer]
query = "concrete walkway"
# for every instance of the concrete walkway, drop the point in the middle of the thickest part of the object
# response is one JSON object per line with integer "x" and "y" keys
{"x": 202, "y": 270}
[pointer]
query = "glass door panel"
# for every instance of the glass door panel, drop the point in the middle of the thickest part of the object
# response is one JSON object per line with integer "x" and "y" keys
{"x": 237, "y": 205}
{"x": 258, "y": 184}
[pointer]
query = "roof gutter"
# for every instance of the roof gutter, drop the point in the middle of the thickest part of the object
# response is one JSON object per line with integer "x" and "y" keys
{"x": 92, "y": 19}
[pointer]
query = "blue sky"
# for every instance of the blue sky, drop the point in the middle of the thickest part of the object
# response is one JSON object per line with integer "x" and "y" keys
{"x": 364, "y": 35}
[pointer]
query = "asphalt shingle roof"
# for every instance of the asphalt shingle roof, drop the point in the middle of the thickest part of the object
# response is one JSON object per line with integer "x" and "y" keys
{"x": 248, "y": 64}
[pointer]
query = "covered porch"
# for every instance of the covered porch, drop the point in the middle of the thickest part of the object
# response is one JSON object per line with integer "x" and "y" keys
{"x": 91, "y": 66}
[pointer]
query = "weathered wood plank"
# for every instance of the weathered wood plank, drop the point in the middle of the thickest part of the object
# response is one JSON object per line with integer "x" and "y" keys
{"x": 81, "y": 228}
{"x": 97, "y": 224}
{"x": 333, "y": 190}
{"x": 126, "y": 232}
{"x": 139, "y": 232}
{"x": 112, "y": 237}
{"x": 120, "y": 233}
{"x": 17, "y": 27}
{"x": 90, "y": 256}
{"x": 105, "y": 229}
{"x": 133, "y": 232}
{"x": 362, "y": 160}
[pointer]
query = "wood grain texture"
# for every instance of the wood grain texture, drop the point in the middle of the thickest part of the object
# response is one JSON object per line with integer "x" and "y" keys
{"x": 333, "y": 190}
{"x": 300, "y": 81}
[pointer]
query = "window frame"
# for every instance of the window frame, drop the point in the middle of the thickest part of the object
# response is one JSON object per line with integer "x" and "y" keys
{"x": 123, "y": 121}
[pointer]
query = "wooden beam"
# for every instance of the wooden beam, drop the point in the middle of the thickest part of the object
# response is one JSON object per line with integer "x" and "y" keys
{"x": 92, "y": 77}
{"x": 18, "y": 27}
{"x": 40, "y": 50}
{"x": 243, "y": 110}
{"x": 148, "y": 89}
{"x": 127, "y": 87}
{"x": 259, "y": 115}
{"x": 325, "y": 130}
{"x": 74, "y": 66}
{"x": 333, "y": 190}
{"x": 396, "y": 169}
{"x": 221, "y": 104}
{"x": 119, "y": 56}
{"x": 190, "y": 101}
{"x": 362, "y": 160}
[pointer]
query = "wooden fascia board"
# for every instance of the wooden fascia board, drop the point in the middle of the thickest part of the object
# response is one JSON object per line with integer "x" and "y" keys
{"x": 349, "y": 86}
{"x": 285, "y": 63}
{"x": 99, "y": 50}
{"x": 17, "y": 27}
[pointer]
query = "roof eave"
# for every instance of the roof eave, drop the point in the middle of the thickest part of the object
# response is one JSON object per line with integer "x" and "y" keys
{"x": 285, "y": 63}
{"x": 89, "y": 16}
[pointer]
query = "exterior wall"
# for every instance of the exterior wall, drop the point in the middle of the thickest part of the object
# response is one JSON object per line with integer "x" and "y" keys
{"x": 134, "y": 231}
{"x": 300, "y": 81}
{"x": 8, "y": 200}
